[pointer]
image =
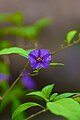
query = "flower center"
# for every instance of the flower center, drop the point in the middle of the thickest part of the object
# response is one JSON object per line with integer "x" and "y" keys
{"x": 39, "y": 59}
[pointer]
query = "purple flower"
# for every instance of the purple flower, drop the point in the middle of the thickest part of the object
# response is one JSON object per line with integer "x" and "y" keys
{"x": 28, "y": 81}
{"x": 4, "y": 77}
{"x": 39, "y": 58}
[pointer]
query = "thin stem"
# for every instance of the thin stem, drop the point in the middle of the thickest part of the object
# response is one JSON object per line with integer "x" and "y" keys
{"x": 31, "y": 74}
{"x": 15, "y": 81}
{"x": 38, "y": 113}
{"x": 78, "y": 95}
{"x": 64, "y": 47}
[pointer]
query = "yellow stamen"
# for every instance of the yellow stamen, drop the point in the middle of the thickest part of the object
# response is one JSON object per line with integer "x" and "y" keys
{"x": 39, "y": 59}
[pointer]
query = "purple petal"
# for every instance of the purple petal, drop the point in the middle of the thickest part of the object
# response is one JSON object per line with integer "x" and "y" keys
{"x": 32, "y": 59}
{"x": 34, "y": 53}
{"x": 32, "y": 56}
{"x": 44, "y": 52}
{"x": 44, "y": 64}
{"x": 4, "y": 77}
{"x": 35, "y": 65}
{"x": 39, "y": 53}
{"x": 28, "y": 81}
{"x": 47, "y": 57}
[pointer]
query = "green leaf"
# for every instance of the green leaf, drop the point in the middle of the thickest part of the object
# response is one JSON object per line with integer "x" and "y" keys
{"x": 64, "y": 95}
{"x": 5, "y": 44}
{"x": 77, "y": 99}
{"x": 18, "y": 91}
{"x": 3, "y": 18}
{"x": 44, "y": 93}
{"x": 4, "y": 85}
{"x": 47, "y": 90}
{"x": 15, "y": 50}
{"x": 29, "y": 32}
{"x": 6, "y": 101}
{"x": 39, "y": 94}
{"x": 15, "y": 104}
{"x": 70, "y": 35}
{"x": 4, "y": 68}
{"x": 41, "y": 24}
{"x": 67, "y": 108}
{"x": 24, "y": 55}
{"x": 56, "y": 64}
{"x": 23, "y": 107}
{"x": 16, "y": 18}
{"x": 53, "y": 96}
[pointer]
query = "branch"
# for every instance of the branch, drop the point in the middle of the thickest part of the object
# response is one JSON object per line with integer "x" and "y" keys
{"x": 31, "y": 74}
{"x": 78, "y": 95}
{"x": 38, "y": 113}
{"x": 15, "y": 81}
{"x": 64, "y": 47}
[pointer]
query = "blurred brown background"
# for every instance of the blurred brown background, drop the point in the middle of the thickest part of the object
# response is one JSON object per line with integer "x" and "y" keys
{"x": 65, "y": 15}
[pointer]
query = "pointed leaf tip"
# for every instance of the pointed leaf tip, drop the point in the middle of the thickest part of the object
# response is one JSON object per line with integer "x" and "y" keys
{"x": 47, "y": 90}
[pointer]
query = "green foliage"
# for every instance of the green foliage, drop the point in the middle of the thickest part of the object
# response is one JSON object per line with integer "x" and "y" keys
{"x": 23, "y": 107}
{"x": 15, "y": 18}
{"x": 3, "y": 18}
{"x": 41, "y": 24}
{"x": 13, "y": 98}
{"x": 47, "y": 90}
{"x": 61, "y": 105}
{"x": 64, "y": 95}
{"x": 53, "y": 96}
{"x": 3, "y": 86}
{"x": 4, "y": 68}
{"x": 15, "y": 104}
{"x": 77, "y": 99}
{"x": 70, "y": 35}
{"x": 6, "y": 101}
{"x": 67, "y": 107}
{"x": 38, "y": 94}
{"x": 18, "y": 91}
{"x": 44, "y": 93}
{"x": 15, "y": 93}
{"x": 5, "y": 44}
{"x": 30, "y": 32}
{"x": 15, "y": 50}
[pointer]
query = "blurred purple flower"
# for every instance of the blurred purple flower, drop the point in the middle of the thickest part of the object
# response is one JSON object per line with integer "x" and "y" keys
{"x": 28, "y": 81}
{"x": 39, "y": 58}
{"x": 4, "y": 77}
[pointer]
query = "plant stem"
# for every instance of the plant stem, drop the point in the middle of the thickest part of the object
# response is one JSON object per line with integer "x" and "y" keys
{"x": 64, "y": 47}
{"x": 78, "y": 95}
{"x": 38, "y": 113}
{"x": 15, "y": 81}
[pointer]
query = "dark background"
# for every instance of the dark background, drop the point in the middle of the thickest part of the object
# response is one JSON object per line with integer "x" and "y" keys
{"x": 65, "y": 15}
